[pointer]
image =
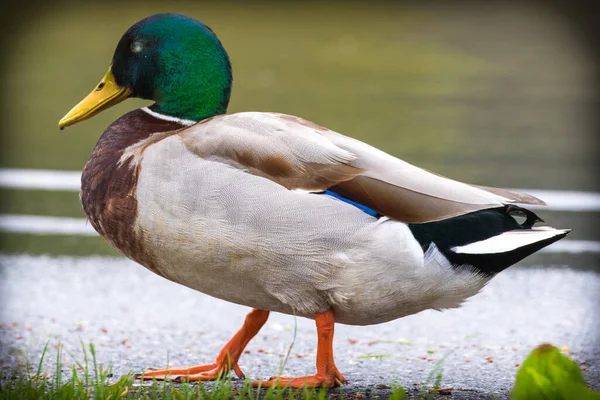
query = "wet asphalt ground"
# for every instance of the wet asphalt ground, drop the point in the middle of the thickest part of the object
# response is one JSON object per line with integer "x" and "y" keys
{"x": 137, "y": 319}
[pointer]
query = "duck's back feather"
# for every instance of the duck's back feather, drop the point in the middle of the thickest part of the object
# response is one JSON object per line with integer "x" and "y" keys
{"x": 299, "y": 154}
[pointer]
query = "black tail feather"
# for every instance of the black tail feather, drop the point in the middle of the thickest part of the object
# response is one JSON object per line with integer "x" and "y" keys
{"x": 478, "y": 226}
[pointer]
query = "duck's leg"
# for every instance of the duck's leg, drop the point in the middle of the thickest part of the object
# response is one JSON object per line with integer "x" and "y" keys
{"x": 327, "y": 374}
{"x": 226, "y": 361}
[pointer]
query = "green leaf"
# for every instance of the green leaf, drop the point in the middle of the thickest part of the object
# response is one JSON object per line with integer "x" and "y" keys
{"x": 548, "y": 374}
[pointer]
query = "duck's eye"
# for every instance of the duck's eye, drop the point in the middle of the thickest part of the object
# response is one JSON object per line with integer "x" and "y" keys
{"x": 137, "y": 46}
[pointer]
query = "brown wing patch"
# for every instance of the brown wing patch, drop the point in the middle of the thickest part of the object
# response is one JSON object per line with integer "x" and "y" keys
{"x": 275, "y": 166}
{"x": 322, "y": 177}
{"x": 309, "y": 176}
{"x": 399, "y": 203}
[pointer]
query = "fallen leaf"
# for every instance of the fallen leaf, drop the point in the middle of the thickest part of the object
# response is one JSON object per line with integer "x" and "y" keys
{"x": 442, "y": 391}
{"x": 546, "y": 373}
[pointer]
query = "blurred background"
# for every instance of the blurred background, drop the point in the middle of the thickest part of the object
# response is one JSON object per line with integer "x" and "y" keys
{"x": 495, "y": 93}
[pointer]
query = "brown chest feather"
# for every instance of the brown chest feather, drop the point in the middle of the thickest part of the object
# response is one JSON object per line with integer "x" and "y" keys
{"x": 108, "y": 187}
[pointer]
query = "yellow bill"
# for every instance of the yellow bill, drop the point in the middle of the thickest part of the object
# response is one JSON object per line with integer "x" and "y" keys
{"x": 105, "y": 95}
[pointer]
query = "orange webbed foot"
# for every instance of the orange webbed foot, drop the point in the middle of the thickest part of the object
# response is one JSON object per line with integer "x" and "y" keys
{"x": 226, "y": 361}
{"x": 206, "y": 372}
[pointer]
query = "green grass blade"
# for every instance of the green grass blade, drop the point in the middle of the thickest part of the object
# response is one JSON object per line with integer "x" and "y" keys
{"x": 39, "y": 369}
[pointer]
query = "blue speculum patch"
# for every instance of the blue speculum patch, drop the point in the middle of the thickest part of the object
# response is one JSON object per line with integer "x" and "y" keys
{"x": 363, "y": 208}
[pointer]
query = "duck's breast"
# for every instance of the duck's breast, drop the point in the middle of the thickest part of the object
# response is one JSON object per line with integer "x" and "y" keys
{"x": 109, "y": 180}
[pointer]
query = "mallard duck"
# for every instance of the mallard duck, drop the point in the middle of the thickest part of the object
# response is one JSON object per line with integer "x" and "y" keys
{"x": 275, "y": 212}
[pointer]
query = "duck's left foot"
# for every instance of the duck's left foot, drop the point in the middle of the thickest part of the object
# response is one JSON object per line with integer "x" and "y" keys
{"x": 226, "y": 361}
{"x": 327, "y": 373}
{"x": 207, "y": 372}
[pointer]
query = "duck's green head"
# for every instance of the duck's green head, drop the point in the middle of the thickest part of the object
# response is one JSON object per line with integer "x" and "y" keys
{"x": 172, "y": 59}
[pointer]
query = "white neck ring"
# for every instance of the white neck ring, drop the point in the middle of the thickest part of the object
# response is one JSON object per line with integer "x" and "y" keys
{"x": 184, "y": 122}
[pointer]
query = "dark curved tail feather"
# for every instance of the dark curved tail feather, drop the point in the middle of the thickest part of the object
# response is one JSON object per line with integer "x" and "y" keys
{"x": 488, "y": 240}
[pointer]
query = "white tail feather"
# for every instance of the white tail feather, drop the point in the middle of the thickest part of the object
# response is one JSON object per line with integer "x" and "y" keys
{"x": 509, "y": 241}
